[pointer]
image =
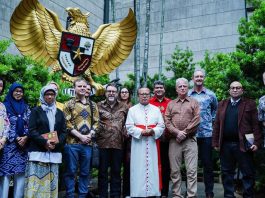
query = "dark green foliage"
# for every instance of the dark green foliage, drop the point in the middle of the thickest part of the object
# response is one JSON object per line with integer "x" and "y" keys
{"x": 221, "y": 70}
{"x": 181, "y": 63}
{"x": 31, "y": 74}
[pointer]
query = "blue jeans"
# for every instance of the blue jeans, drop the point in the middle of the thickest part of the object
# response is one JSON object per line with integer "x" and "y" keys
{"x": 112, "y": 158}
{"x": 205, "y": 154}
{"x": 77, "y": 155}
{"x": 230, "y": 156}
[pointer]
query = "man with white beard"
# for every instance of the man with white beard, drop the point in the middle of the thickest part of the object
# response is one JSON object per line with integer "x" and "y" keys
{"x": 112, "y": 115}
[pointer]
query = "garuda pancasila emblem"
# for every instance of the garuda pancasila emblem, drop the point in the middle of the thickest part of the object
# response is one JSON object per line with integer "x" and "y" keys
{"x": 37, "y": 32}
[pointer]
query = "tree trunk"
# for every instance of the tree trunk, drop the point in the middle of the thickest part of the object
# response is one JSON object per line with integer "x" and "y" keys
{"x": 137, "y": 56}
{"x": 146, "y": 44}
{"x": 113, "y": 13}
{"x": 161, "y": 40}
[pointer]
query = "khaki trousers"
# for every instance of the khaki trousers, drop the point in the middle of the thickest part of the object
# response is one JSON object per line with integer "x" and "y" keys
{"x": 188, "y": 148}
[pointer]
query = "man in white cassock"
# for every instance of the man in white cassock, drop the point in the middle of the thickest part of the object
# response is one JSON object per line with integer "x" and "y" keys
{"x": 145, "y": 124}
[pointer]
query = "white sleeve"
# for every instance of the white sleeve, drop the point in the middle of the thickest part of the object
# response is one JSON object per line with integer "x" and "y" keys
{"x": 130, "y": 125}
{"x": 160, "y": 126}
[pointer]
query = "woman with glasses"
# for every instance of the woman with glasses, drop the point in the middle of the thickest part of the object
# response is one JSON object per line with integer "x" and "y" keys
{"x": 125, "y": 97}
{"x": 13, "y": 160}
{"x": 47, "y": 131}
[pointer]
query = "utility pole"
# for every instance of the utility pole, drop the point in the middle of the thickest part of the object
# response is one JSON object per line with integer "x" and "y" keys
{"x": 161, "y": 40}
{"x": 137, "y": 56}
{"x": 146, "y": 43}
{"x": 113, "y": 12}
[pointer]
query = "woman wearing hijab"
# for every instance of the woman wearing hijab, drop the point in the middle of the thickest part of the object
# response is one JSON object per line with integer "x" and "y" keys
{"x": 14, "y": 157}
{"x": 45, "y": 154}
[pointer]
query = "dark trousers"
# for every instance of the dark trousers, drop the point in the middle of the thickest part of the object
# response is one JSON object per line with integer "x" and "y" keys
{"x": 165, "y": 167}
{"x": 230, "y": 156}
{"x": 126, "y": 168}
{"x": 205, "y": 154}
{"x": 109, "y": 158}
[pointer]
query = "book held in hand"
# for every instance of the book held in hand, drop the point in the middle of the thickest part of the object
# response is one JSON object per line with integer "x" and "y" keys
{"x": 249, "y": 140}
{"x": 51, "y": 136}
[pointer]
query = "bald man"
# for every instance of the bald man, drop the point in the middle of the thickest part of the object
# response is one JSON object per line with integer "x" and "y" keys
{"x": 236, "y": 117}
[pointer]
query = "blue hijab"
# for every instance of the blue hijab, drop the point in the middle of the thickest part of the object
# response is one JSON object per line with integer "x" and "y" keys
{"x": 16, "y": 108}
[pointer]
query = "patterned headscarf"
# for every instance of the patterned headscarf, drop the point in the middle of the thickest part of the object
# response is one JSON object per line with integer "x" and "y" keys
{"x": 50, "y": 109}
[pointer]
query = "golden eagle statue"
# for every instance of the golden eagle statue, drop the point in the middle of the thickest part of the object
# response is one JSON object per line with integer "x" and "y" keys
{"x": 37, "y": 32}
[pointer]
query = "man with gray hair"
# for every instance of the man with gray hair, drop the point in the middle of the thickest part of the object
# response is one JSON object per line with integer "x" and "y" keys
{"x": 208, "y": 106}
{"x": 182, "y": 118}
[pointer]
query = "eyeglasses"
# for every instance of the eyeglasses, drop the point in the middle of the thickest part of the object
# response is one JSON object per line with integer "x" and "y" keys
{"x": 124, "y": 92}
{"x": 110, "y": 91}
{"x": 18, "y": 91}
{"x": 236, "y": 88}
{"x": 144, "y": 94}
{"x": 49, "y": 94}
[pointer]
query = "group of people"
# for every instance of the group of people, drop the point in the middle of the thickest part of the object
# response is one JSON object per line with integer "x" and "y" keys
{"x": 150, "y": 140}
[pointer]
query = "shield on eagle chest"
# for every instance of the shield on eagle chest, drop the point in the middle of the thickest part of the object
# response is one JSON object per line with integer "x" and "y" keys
{"x": 75, "y": 53}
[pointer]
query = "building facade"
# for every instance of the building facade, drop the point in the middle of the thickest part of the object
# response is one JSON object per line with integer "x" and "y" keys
{"x": 200, "y": 25}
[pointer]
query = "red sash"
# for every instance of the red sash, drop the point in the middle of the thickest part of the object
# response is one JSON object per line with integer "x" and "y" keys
{"x": 158, "y": 153}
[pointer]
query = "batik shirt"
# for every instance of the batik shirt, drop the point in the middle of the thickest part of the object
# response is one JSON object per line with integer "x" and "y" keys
{"x": 14, "y": 157}
{"x": 4, "y": 122}
{"x": 111, "y": 124}
{"x": 208, "y": 106}
{"x": 78, "y": 116}
{"x": 261, "y": 109}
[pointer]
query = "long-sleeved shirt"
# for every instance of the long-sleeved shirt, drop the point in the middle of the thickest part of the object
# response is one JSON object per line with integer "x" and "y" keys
{"x": 144, "y": 156}
{"x": 182, "y": 116}
{"x": 111, "y": 124}
{"x": 78, "y": 116}
{"x": 261, "y": 109}
{"x": 208, "y": 107}
{"x": 4, "y": 122}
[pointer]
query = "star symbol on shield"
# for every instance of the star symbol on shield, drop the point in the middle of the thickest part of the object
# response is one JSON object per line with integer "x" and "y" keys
{"x": 78, "y": 54}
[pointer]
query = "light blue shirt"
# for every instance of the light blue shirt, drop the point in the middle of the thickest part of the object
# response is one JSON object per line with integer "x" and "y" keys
{"x": 208, "y": 106}
{"x": 261, "y": 109}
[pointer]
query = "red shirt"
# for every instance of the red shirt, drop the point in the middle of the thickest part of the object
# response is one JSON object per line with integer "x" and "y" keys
{"x": 161, "y": 105}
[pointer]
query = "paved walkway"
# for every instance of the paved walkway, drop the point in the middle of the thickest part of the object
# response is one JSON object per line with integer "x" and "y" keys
{"x": 218, "y": 191}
